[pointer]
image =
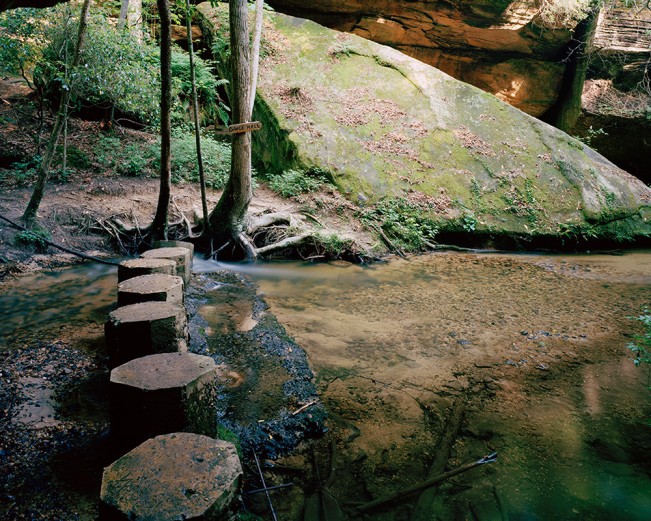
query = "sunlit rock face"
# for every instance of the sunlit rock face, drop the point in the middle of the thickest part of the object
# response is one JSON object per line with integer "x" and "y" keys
{"x": 499, "y": 46}
{"x": 617, "y": 97}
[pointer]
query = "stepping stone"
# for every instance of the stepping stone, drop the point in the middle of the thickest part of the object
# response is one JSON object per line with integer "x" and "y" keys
{"x": 163, "y": 393}
{"x": 172, "y": 477}
{"x": 181, "y": 256}
{"x": 151, "y": 288}
{"x": 174, "y": 244}
{"x": 144, "y": 329}
{"x": 136, "y": 267}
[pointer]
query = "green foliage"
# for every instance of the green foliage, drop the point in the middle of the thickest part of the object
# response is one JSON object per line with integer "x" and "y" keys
{"x": 216, "y": 159}
{"x": 333, "y": 246}
{"x": 404, "y": 223}
{"x": 293, "y": 182}
{"x": 25, "y": 171}
{"x": 641, "y": 345}
{"x": 575, "y": 231}
{"x": 591, "y": 134}
{"x": 34, "y": 238}
{"x": 21, "y": 37}
{"x": 211, "y": 105}
{"x": 469, "y": 221}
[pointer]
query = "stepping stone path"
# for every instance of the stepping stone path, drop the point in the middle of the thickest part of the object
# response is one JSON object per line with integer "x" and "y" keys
{"x": 181, "y": 256}
{"x": 151, "y": 288}
{"x": 136, "y": 267}
{"x": 144, "y": 329}
{"x": 172, "y": 477}
{"x": 163, "y": 393}
{"x": 156, "y": 388}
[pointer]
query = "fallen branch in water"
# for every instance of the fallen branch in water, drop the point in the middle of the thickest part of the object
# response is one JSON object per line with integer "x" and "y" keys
{"x": 425, "y": 484}
{"x": 58, "y": 246}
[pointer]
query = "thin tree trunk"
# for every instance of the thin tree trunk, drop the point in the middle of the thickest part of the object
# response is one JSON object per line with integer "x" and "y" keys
{"x": 197, "y": 129}
{"x": 255, "y": 53}
{"x": 29, "y": 217}
{"x": 567, "y": 109}
{"x": 228, "y": 219}
{"x": 160, "y": 223}
{"x": 124, "y": 9}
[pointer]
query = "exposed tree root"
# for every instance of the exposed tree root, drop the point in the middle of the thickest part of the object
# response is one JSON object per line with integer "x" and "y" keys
{"x": 58, "y": 246}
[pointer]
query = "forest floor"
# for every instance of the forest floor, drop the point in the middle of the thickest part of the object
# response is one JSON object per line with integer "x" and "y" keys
{"x": 80, "y": 204}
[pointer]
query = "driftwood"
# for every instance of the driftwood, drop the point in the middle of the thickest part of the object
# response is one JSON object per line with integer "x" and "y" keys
{"x": 371, "y": 505}
{"x": 442, "y": 451}
{"x": 322, "y": 505}
{"x": 58, "y": 246}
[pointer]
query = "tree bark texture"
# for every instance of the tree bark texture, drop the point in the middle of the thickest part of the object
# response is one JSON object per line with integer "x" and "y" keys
{"x": 567, "y": 108}
{"x": 228, "y": 219}
{"x": 195, "y": 110}
{"x": 29, "y": 217}
{"x": 160, "y": 223}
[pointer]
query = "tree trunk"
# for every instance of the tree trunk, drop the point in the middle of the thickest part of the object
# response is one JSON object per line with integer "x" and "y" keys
{"x": 29, "y": 217}
{"x": 567, "y": 109}
{"x": 257, "y": 37}
{"x": 131, "y": 16}
{"x": 195, "y": 109}
{"x": 228, "y": 219}
{"x": 159, "y": 225}
{"x": 124, "y": 9}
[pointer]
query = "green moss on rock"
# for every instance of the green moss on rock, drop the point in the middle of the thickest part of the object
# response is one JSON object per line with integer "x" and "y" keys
{"x": 388, "y": 126}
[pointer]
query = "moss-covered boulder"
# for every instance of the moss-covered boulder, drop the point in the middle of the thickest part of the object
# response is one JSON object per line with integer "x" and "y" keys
{"x": 384, "y": 125}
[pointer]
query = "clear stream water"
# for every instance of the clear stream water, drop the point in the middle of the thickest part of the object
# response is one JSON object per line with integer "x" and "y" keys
{"x": 534, "y": 343}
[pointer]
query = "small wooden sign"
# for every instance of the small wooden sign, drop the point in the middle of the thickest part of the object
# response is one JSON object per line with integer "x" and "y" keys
{"x": 238, "y": 128}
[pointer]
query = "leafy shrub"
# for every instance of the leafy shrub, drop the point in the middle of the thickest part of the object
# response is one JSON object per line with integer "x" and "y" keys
{"x": 35, "y": 238}
{"x": 405, "y": 224}
{"x": 641, "y": 345}
{"x": 211, "y": 105}
{"x": 24, "y": 171}
{"x": 293, "y": 182}
{"x": 216, "y": 159}
{"x": 115, "y": 69}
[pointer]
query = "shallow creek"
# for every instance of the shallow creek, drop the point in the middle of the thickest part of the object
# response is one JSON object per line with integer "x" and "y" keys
{"x": 532, "y": 346}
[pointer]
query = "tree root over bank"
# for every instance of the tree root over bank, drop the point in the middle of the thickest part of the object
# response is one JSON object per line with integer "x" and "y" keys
{"x": 266, "y": 234}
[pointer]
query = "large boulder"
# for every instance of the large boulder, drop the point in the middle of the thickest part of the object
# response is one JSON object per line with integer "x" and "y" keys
{"x": 383, "y": 124}
{"x": 509, "y": 48}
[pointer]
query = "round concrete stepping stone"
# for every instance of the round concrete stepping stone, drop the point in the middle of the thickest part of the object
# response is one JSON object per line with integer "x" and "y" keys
{"x": 174, "y": 244}
{"x": 144, "y": 329}
{"x": 163, "y": 393}
{"x": 172, "y": 477}
{"x": 136, "y": 267}
{"x": 151, "y": 288}
{"x": 181, "y": 256}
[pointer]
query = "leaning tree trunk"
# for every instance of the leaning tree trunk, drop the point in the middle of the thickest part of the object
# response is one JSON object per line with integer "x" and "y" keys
{"x": 160, "y": 223}
{"x": 195, "y": 112}
{"x": 29, "y": 217}
{"x": 567, "y": 109}
{"x": 228, "y": 219}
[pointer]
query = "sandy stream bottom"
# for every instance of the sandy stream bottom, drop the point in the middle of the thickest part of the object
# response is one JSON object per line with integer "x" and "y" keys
{"x": 534, "y": 346}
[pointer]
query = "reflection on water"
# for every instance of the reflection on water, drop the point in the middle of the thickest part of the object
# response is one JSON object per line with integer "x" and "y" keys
{"x": 534, "y": 344}
{"x": 47, "y": 299}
